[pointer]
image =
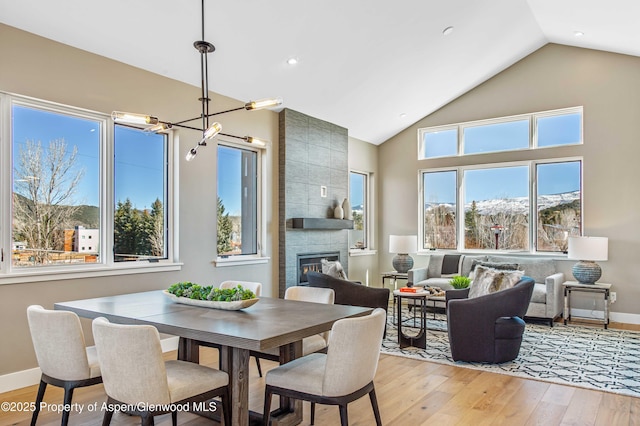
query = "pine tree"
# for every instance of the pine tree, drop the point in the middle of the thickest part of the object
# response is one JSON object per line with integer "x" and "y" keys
{"x": 225, "y": 229}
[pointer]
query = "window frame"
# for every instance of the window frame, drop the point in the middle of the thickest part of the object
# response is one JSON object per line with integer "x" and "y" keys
{"x": 106, "y": 266}
{"x": 460, "y": 206}
{"x": 533, "y": 131}
{"x": 264, "y": 155}
{"x": 368, "y": 237}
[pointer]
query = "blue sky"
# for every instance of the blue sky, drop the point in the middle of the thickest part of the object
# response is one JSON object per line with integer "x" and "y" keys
{"x": 229, "y": 186}
{"x": 139, "y": 166}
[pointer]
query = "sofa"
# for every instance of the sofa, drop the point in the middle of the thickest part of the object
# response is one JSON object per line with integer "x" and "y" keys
{"x": 547, "y": 298}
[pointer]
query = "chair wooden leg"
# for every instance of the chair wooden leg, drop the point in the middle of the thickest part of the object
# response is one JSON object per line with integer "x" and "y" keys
{"x": 68, "y": 395}
{"x": 374, "y": 405}
{"x": 258, "y": 365}
{"x": 39, "y": 397}
{"x": 266, "y": 413}
{"x": 106, "y": 419}
{"x": 226, "y": 407}
{"x": 313, "y": 413}
{"x": 147, "y": 420}
{"x": 174, "y": 418}
{"x": 344, "y": 418}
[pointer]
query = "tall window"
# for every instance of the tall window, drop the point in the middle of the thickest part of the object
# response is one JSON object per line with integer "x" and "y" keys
{"x": 140, "y": 177}
{"x": 440, "y": 212}
{"x": 61, "y": 168}
{"x": 56, "y": 187}
{"x": 238, "y": 201}
{"x": 358, "y": 198}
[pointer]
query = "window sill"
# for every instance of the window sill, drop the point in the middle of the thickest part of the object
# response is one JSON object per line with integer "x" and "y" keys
{"x": 365, "y": 252}
{"x": 239, "y": 261}
{"x": 39, "y": 275}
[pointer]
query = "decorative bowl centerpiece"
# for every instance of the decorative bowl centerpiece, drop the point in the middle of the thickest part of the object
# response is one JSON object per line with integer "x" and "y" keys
{"x": 230, "y": 299}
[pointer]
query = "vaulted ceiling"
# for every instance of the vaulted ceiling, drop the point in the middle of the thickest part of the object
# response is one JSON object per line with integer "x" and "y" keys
{"x": 372, "y": 66}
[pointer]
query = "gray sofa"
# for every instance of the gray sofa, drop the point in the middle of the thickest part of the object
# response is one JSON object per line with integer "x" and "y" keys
{"x": 546, "y": 301}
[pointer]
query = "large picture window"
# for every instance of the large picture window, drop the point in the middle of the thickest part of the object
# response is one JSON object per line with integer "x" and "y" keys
{"x": 495, "y": 203}
{"x": 63, "y": 168}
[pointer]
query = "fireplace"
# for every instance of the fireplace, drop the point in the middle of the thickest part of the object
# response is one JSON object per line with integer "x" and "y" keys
{"x": 312, "y": 262}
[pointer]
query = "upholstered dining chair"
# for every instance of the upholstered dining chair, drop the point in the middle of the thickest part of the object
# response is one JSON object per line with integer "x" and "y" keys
{"x": 247, "y": 285}
{"x": 135, "y": 374}
{"x": 315, "y": 343}
{"x": 342, "y": 375}
{"x": 63, "y": 358}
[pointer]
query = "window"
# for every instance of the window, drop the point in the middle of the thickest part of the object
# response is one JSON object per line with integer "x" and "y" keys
{"x": 358, "y": 198}
{"x": 527, "y": 131}
{"x": 62, "y": 164}
{"x": 497, "y": 202}
{"x": 56, "y": 171}
{"x": 440, "y": 200}
{"x": 239, "y": 200}
{"x": 140, "y": 177}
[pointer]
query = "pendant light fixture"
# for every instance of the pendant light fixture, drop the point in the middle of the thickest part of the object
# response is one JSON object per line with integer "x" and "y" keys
{"x": 209, "y": 130}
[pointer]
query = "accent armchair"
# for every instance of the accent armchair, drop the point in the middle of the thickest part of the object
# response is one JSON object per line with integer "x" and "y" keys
{"x": 488, "y": 328}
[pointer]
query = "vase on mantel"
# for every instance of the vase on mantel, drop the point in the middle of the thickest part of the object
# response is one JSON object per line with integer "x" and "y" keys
{"x": 346, "y": 208}
{"x": 338, "y": 212}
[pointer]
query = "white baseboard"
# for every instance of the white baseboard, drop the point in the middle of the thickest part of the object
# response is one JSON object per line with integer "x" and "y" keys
{"x": 613, "y": 316}
{"x": 30, "y": 377}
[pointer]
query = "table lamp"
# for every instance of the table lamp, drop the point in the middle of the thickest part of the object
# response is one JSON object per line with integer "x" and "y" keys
{"x": 402, "y": 245}
{"x": 587, "y": 250}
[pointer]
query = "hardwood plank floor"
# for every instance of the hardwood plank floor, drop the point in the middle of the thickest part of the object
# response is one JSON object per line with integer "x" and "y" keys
{"x": 410, "y": 392}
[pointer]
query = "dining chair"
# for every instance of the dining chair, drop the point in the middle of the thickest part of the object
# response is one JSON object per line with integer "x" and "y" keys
{"x": 315, "y": 343}
{"x": 135, "y": 374}
{"x": 247, "y": 285}
{"x": 342, "y": 375}
{"x": 62, "y": 356}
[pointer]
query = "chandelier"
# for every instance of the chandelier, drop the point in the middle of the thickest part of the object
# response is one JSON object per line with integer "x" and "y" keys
{"x": 209, "y": 130}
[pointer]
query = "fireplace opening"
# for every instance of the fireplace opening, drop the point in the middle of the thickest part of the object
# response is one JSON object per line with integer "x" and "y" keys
{"x": 313, "y": 262}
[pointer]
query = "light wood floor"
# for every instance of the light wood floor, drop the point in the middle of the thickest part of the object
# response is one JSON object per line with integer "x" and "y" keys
{"x": 410, "y": 392}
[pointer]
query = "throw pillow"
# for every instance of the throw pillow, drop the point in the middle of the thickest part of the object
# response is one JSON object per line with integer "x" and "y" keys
{"x": 489, "y": 280}
{"x": 333, "y": 269}
{"x": 495, "y": 265}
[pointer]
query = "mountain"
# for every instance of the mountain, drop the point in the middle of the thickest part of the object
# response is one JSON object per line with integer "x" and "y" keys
{"x": 515, "y": 205}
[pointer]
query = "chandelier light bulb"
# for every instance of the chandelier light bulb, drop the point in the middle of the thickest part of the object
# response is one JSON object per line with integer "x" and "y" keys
{"x": 263, "y": 103}
{"x": 212, "y": 131}
{"x": 157, "y": 128}
{"x": 133, "y": 118}
{"x": 255, "y": 141}
{"x": 191, "y": 154}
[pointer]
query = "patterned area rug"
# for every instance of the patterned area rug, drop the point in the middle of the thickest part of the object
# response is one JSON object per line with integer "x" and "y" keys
{"x": 606, "y": 360}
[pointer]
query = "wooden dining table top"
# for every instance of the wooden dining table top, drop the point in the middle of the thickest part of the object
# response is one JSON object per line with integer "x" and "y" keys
{"x": 267, "y": 324}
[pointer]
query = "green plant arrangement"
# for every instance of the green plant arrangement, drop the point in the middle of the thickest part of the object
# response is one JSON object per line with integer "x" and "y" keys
{"x": 458, "y": 281}
{"x": 197, "y": 292}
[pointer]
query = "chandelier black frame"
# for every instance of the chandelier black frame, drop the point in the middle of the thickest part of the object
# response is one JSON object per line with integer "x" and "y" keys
{"x": 209, "y": 130}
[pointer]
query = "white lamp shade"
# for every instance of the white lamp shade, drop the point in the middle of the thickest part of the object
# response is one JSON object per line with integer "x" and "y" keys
{"x": 588, "y": 248}
{"x": 403, "y": 244}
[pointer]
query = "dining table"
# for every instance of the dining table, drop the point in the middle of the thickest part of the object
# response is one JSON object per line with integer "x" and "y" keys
{"x": 270, "y": 323}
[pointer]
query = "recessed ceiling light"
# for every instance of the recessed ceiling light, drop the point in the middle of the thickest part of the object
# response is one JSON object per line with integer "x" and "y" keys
{"x": 292, "y": 61}
{"x": 578, "y": 33}
{"x": 403, "y": 115}
{"x": 447, "y": 31}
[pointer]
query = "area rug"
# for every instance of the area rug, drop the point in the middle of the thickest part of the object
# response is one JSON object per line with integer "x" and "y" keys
{"x": 606, "y": 360}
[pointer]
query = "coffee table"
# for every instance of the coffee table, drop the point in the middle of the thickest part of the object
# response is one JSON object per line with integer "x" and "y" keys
{"x": 418, "y": 299}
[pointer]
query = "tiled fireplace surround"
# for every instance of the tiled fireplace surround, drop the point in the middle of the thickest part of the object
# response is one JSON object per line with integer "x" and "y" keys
{"x": 313, "y": 153}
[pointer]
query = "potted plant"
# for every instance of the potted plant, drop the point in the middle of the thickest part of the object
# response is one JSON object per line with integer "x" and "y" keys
{"x": 459, "y": 281}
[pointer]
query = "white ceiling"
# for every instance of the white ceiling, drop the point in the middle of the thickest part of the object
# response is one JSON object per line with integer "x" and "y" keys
{"x": 372, "y": 66}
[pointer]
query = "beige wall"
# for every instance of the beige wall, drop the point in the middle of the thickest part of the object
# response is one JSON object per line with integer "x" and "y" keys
{"x": 363, "y": 157}
{"x": 43, "y": 69}
{"x": 607, "y": 85}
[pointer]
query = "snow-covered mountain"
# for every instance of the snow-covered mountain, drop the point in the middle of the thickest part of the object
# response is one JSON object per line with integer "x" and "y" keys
{"x": 516, "y": 205}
